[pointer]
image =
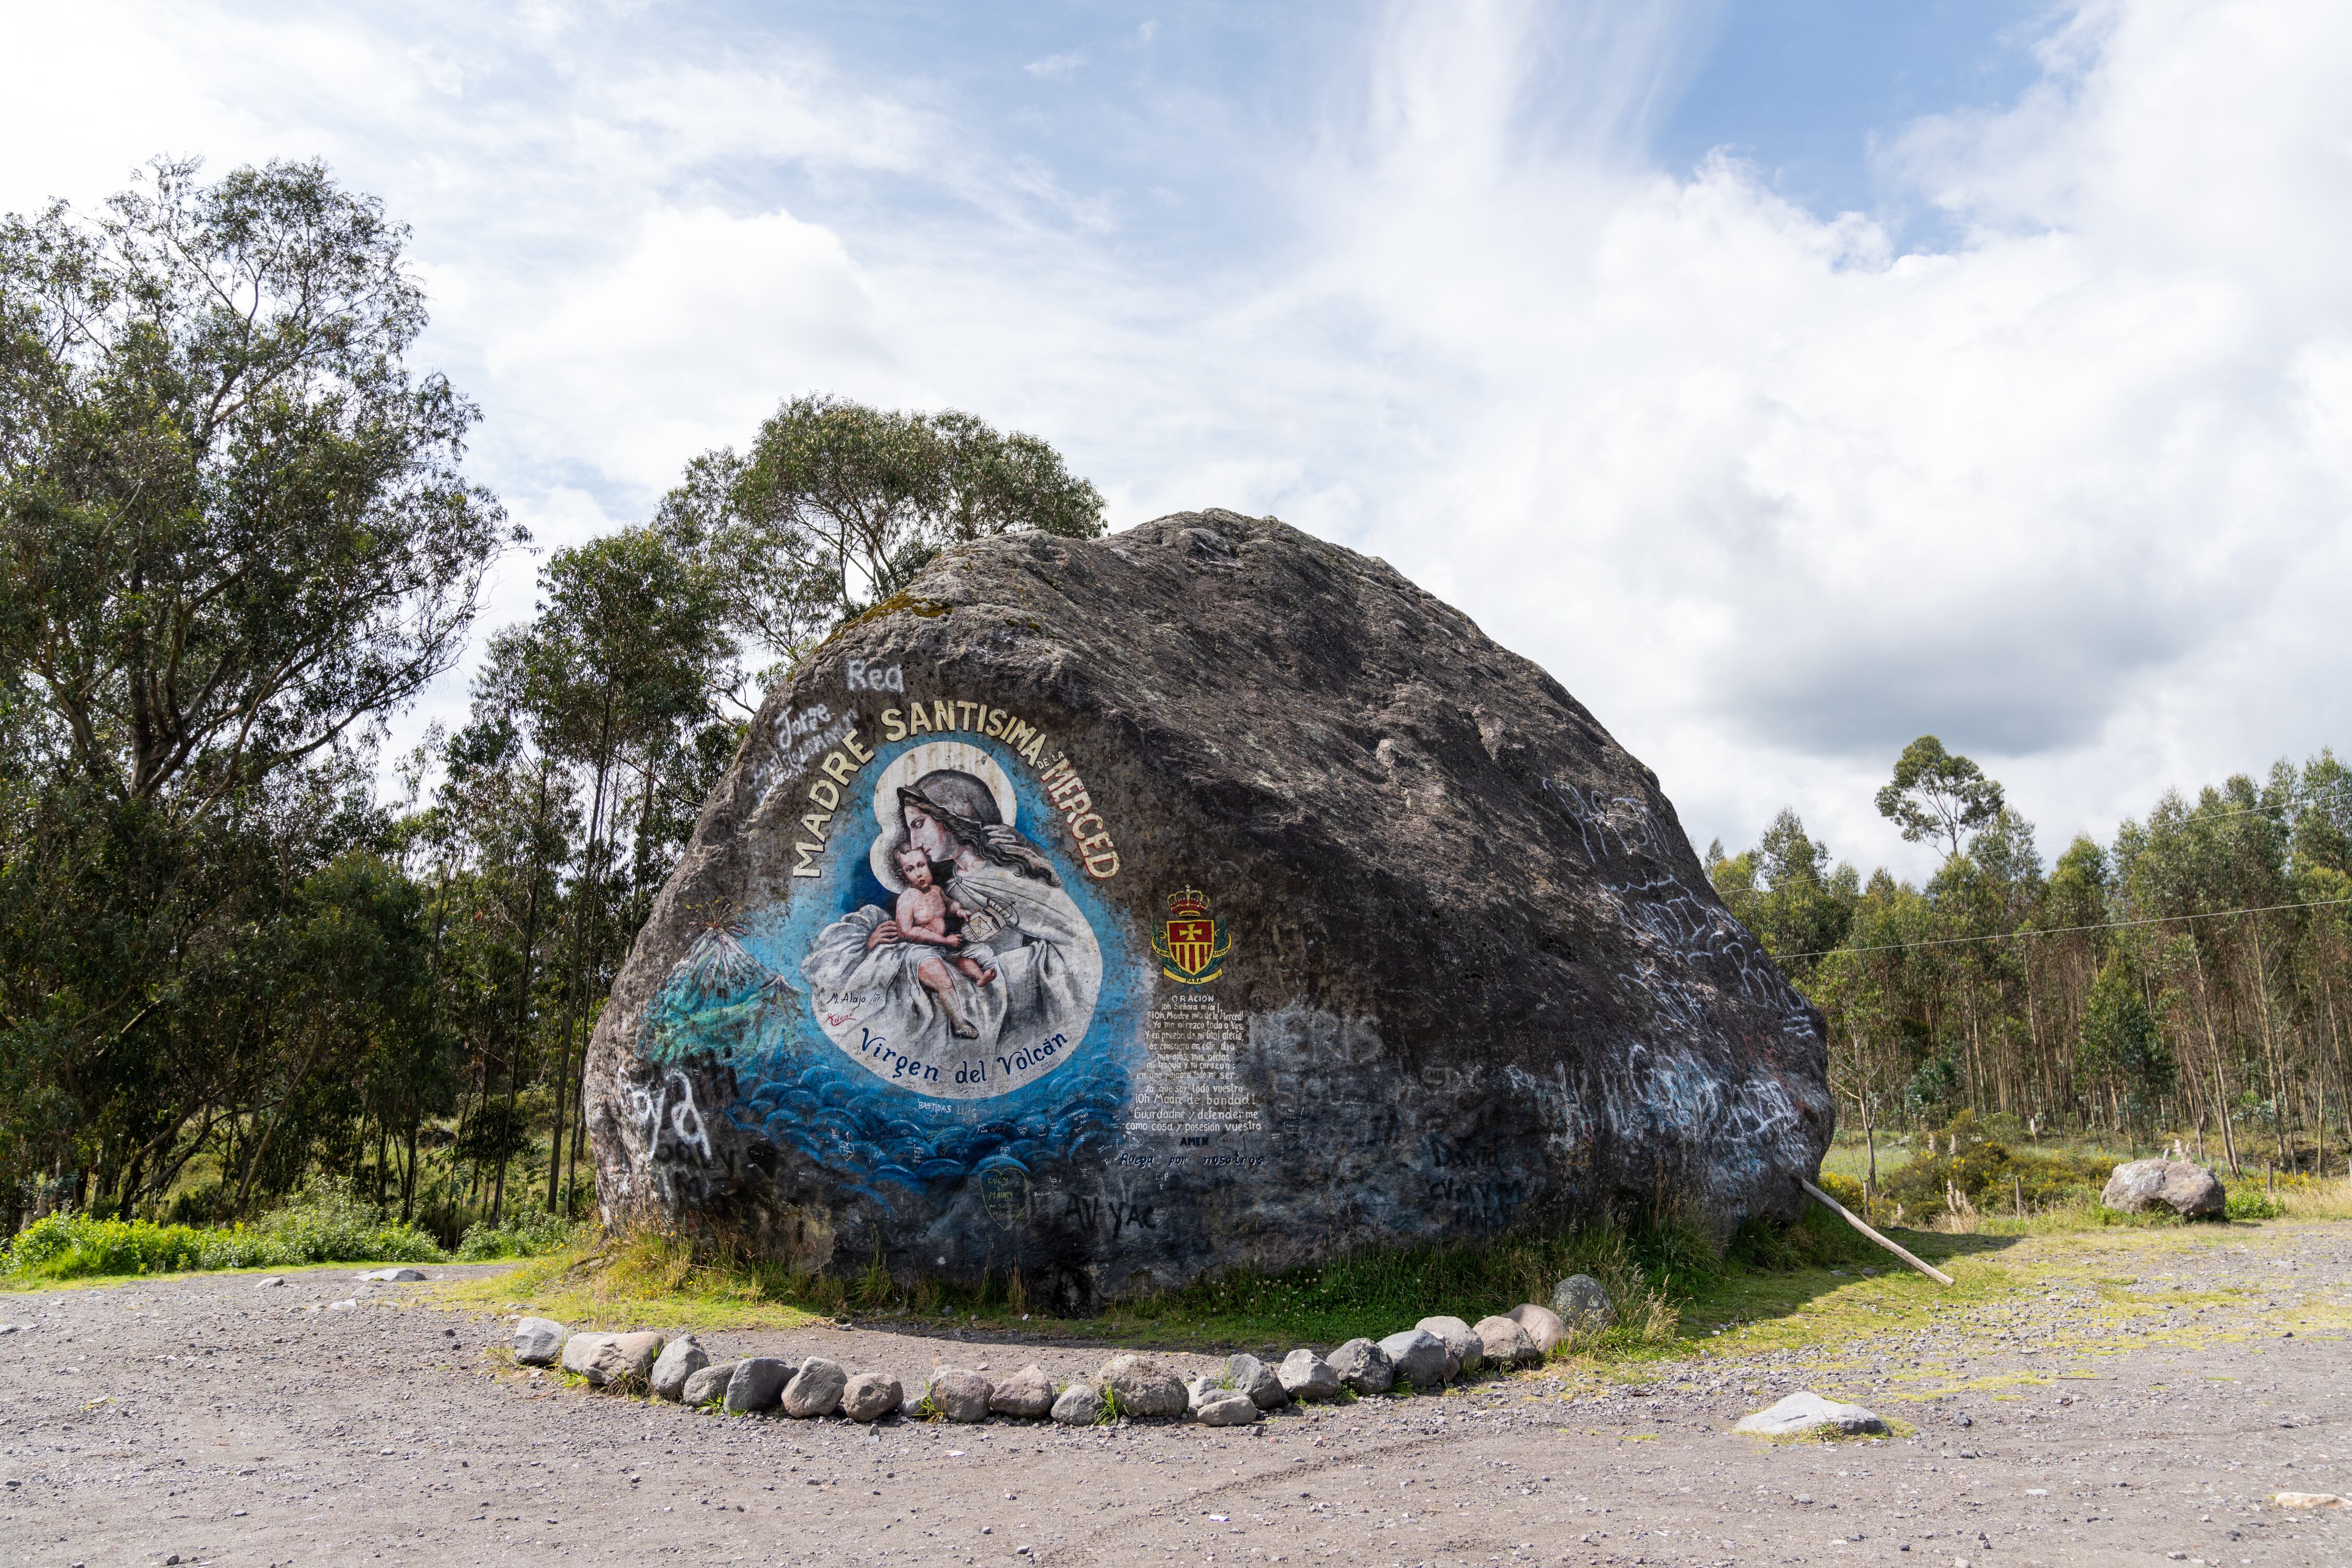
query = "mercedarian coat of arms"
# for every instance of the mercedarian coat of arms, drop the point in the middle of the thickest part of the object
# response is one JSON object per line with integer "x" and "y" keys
{"x": 1193, "y": 943}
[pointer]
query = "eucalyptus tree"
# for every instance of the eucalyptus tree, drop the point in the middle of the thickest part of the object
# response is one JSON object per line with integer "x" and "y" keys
{"x": 836, "y": 506}
{"x": 234, "y": 534}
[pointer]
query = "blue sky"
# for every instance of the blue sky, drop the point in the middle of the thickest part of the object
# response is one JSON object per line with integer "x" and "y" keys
{"x": 1790, "y": 380}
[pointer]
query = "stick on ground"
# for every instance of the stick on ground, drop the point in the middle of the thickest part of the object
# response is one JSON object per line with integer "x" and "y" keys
{"x": 1855, "y": 1220}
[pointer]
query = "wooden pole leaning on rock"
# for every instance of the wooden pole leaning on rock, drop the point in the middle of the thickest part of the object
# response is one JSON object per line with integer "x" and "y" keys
{"x": 1855, "y": 1220}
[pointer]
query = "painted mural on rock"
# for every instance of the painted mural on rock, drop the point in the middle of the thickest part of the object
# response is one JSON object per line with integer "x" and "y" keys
{"x": 942, "y": 995}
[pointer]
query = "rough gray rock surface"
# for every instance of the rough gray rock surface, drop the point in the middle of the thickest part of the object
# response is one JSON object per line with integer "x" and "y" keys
{"x": 758, "y": 1383}
{"x": 537, "y": 1340}
{"x": 870, "y": 1395}
{"x": 679, "y": 1360}
{"x": 1140, "y": 1386}
{"x": 1462, "y": 1351}
{"x": 1027, "y": 1394}
{"x": 622, "y": 1358}
{"x": 2188, "y": 1190}
{"x": 1080, "y": 1404}
{"x": 1542, "y": 1325}
{"x": 1507, "y": 1343}
{"x": 1805, "y": 1413}
{"x": 1306, "y": 1376}
{"x": 1583, "y": 1304}
{"x": 1251, "y": 835}
{"x": 1363, "y": 1366}
{"x": 960, "y": 1394}
{"x": 707, "y": 1384}
{"x": 1418, "y": 1357}
{"x": 580, "y": 1350}
{"x": 1227, "y": 1408}
{"x": 815, "y": 1389}
{"x": 1252, "y": 1377}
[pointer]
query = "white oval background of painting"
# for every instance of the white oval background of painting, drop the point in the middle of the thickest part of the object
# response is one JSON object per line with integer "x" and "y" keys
{"x": 873, "y": 1004}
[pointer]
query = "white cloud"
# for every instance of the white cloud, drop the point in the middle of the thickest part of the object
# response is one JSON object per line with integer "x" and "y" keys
{"x": 1056, "y": 67}
{"x": 1769, "y": 491}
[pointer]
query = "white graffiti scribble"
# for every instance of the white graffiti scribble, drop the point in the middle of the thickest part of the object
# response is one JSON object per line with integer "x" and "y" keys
{"x": 1609, "y": 826}
{"x": 666, "y": 1117}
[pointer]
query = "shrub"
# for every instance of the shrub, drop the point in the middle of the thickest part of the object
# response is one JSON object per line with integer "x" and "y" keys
{"x": 530, "y": 1234}
{"x": 325, "y": 1222}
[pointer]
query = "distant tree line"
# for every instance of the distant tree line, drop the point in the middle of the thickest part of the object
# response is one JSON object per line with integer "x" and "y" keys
{"x": 235, "y": 538}
{"x": 2190, "y": 979}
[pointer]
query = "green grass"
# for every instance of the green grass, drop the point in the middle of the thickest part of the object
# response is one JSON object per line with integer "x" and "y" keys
{"x": 325, "y": 1222}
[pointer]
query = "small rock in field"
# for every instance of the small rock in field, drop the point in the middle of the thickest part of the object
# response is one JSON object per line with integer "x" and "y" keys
{"x": 960, "y": 1394}
{"x": 1806, "y": 1413}
{"x": 1205, "y": 1386}
{"x": 618, "y": 1359}
{"x": 342, "y": 1306}
{"x": 393, "y": 1276}
{"x": 1228, "y": 1407}
{"x": 1542, "y": 1323}
{"x": 539, "y": 1341}
{"x": 1027, "y": 1394}
{"x": 2308, "y": 1500}
{"x": 2190, "y": 1191}
{"x": 1363, "y": 1366}
{"x": 870, "y": 1395}
{"x": 1080, "y": 1406}
{"x": 1252, "y": 1377}
{"x": 1418, "y": 1357}
{"x": 7, "y": 1329}
{"x": 272, "y": 1283}
{"x": 1506, "y": 1342}
{"x": 679, "y": 1360}
{"x": 1306, "y": 1376}
{"x": 815, "y": 1389}
{"x": 1462, "y": 1351}
{"x": 1140, "y": 1386}
{"x": 758, "y": 1383}
{"x": 709, "y": 1384}
{"x": 580, "y": 1348}
{"x": 1582, "y": 1303}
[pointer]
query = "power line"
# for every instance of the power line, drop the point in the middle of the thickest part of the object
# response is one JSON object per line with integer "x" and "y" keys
{"x": 2065, "y": 931}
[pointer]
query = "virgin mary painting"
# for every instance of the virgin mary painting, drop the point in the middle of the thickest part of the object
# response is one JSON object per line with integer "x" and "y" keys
{"x": 983, "y": 976}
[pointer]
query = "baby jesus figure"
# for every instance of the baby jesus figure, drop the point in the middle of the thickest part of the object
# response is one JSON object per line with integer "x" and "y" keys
{"x": 922, "y": 916}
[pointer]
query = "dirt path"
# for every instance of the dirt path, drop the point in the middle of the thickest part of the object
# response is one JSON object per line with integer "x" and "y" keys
{"x": 2145, "y": 1419}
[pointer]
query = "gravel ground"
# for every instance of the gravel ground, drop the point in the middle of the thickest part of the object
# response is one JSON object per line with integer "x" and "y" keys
{"x": 208, "y": 1420}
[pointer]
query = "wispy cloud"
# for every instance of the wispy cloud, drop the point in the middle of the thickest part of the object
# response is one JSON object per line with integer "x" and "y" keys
{"x": 1769, "y": 490}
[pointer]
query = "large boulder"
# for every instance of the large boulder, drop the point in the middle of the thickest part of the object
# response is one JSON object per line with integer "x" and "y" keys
{"x": 1364, "y": 1366}
{"x": 1116, "y": 910}
{"x": 1137, "y": 1385}
{"x": 1305, "y": 1375}
{"x": 680, "y": 1361}
{"x": 1506, "y": 1342}
{"x": 1420, "y": 1357}
{"x": 1462, "y": 1351}
{"x": 537, "y": 1340}
{"x": 815, "y": 1389}
{"x": 2192, "y": 1192}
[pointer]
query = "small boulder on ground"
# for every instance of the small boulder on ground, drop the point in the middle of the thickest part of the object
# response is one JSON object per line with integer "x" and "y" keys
{"x": 275, "y": 1280}
{"x": 394, "y": 1276}
{"x": 1208, "y": 1385}
{"x": 1139, "y": 1387}
{"x": 1807, "y": 1413}
{"x": 1252, "y": 1377}
{"x": 1227, "y": 1407}
{"x": 707, "y": 1384}
{"x": 815, "y": 1390}
{"x": 960, "y": 1394}
{"x": 580, "y": 1349}
{"x": 1462, "y": 1351}
{"x": 1418, "y": 1357}
{"x": 1306, "y": 1376}
{"x": 870, "y": 1395}
{"x": 621, "y": 1359}
{"x": 1363, "y": 1366}
{"x": 1506, "y": 1342}
{"x": 679, "y": 1360}
{"x": 1080, "y": 1404}
{"x": 1542, "y": 1323}
{"x": 539, "y": 1341}
{"x": 758, "y": 1383}
{"x": 2190, "y": 1191}
{"x": 1583, "y": 1304}
{"x": 1026, "y": 1394}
